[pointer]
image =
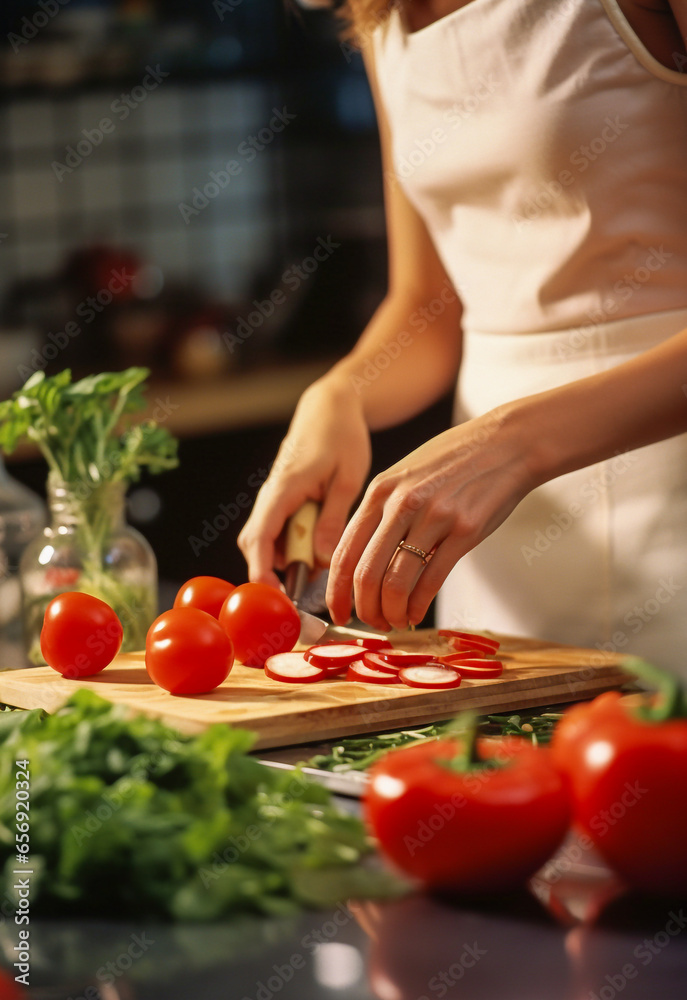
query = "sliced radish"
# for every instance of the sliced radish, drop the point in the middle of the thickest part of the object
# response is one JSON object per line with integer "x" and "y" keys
{"x": 482, "y": 640}
{"x": 430, "y": 677}
{"x": 400, "y": 658}
{"x": 359, "y": 671}
{"x": 375, "y": 662}
{"x": 465, "y": 654}
{"x": 341, "y": 668}
{"x": 332, "y": 655}
{"x": 373, "y": 642}
{"x": 293, "y": 668}
{"x": 478, "y": 669}
{"x": 462, "y": 645}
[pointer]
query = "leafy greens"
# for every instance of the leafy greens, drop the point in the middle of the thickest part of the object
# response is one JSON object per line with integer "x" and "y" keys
{"x": 127, "y": 815}
{"x": 76, "y": 426}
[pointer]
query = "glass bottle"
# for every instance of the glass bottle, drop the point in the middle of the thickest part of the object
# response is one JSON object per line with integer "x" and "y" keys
{"x": 22, "y": 516}
{"x": 88, "y": 546}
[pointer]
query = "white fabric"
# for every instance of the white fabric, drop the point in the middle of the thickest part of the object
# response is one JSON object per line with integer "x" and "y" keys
{"x": 595, "y": 557}
{"x": 547, "y": 152}
{"x": 549, "y": 163}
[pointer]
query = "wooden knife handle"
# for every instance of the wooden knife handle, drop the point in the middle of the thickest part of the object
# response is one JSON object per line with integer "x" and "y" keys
{"x": 299, "y": 534}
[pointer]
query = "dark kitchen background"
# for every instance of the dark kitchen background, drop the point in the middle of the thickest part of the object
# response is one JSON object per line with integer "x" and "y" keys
{"x": 222, "y": 159}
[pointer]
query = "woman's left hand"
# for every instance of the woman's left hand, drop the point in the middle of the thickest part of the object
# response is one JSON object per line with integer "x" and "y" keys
{"x": 443, "y": 498}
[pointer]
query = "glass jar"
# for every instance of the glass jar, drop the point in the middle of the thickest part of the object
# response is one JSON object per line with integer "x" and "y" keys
{"x": 88, "y": 546}
{"x": 22, "y": 517}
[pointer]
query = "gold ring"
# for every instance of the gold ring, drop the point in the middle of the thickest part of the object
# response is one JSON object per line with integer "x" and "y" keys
{"x": 415, "y": 550}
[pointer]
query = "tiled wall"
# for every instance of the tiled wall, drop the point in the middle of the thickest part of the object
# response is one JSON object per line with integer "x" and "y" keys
{"x": 128, "y": 189}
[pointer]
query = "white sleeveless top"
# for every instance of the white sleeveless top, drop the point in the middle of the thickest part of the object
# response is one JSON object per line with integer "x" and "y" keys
{"x": 546, "y": 150}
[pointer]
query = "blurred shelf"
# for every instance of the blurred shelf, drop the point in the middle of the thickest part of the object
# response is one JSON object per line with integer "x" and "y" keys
{"x": 243, "y": 399}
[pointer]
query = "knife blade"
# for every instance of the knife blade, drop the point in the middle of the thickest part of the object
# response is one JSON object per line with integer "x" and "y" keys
{"x": 300, "y": 561}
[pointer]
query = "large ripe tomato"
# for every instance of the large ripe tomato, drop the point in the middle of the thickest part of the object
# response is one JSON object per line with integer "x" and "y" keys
{"x": 187, "y": 652}
{"x": 260, "y": 621}
{"x": 207, "y": 593}
{"x": 628, "y": 775}
{"x": 81, "y": 634}
{"x": 468, "y": 826}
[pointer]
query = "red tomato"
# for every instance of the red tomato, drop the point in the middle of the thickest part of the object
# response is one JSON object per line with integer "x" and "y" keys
{"x": 260, "y": 621}
{"x": 9, "y": 989}
{"x": 628, "y": 776}
{"x": 207, "y": 593}
{"x": 80, "y": 634}
{"x": 188, "y": 652}
{"x": 483, "y": 827}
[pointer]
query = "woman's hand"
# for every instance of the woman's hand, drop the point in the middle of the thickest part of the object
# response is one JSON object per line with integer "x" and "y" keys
{"x": 325, "y": 456}
{"x": 444, "y": 498}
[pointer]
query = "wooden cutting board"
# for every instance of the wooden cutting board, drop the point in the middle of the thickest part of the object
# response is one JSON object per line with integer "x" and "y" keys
{"x": 535, "y": 673}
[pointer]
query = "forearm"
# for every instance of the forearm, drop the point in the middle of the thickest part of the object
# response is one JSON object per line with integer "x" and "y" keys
{"x": 637, "y": 403}
{"x": 406, "y": 359}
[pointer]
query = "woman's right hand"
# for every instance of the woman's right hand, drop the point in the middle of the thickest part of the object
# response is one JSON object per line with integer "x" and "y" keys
{"x": 325, "y": 456}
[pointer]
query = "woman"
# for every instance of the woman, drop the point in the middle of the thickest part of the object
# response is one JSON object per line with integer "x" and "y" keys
{"x": 535, "y": 165}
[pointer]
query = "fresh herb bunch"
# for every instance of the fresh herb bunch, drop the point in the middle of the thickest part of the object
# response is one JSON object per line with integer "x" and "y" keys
{"x": 130, "y": 814}
{"x": 76, "y": 425}
{"x": 357, "y": 753}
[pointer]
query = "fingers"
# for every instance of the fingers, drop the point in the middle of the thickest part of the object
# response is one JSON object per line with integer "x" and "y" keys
{"x": 346, "y": 559}
{"x": 403, "y": 573}
{"x": 259, "y": 535}
{"x": 333, "y": 517}
{"x": 432, "y": 576}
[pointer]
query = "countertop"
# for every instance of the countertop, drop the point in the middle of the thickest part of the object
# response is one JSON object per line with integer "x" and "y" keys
{"x": 574, "y": 935}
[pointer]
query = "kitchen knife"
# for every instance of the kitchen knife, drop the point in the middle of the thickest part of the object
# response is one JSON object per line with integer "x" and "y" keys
{"x": 300, "y": 561}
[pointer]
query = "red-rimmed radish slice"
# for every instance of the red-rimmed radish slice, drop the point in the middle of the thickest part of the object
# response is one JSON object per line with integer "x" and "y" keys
{"x": 293, "y": 668}
{"x": 469, "y": 637}
{"x": 373, "y": 642}
{"x": 429, "y": 676}
{"x": 401, "y": 658}
{"x": 465, "y": 654}
{"x": 462, "y": 645}
{"x": 479, "y": 669}
{"x": 341, "y": 668}
{"x": 332, "y": 655}
{"x": 375, "y": 662}
{"x": 359, "y": 671}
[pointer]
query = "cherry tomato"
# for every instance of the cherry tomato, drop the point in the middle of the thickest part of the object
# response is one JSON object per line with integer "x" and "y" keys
{"x": 260, "y": 621}
{"x": 207, "y": 593}
{"x": 188, "y": 652}
{"x": 81, "y": 635}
